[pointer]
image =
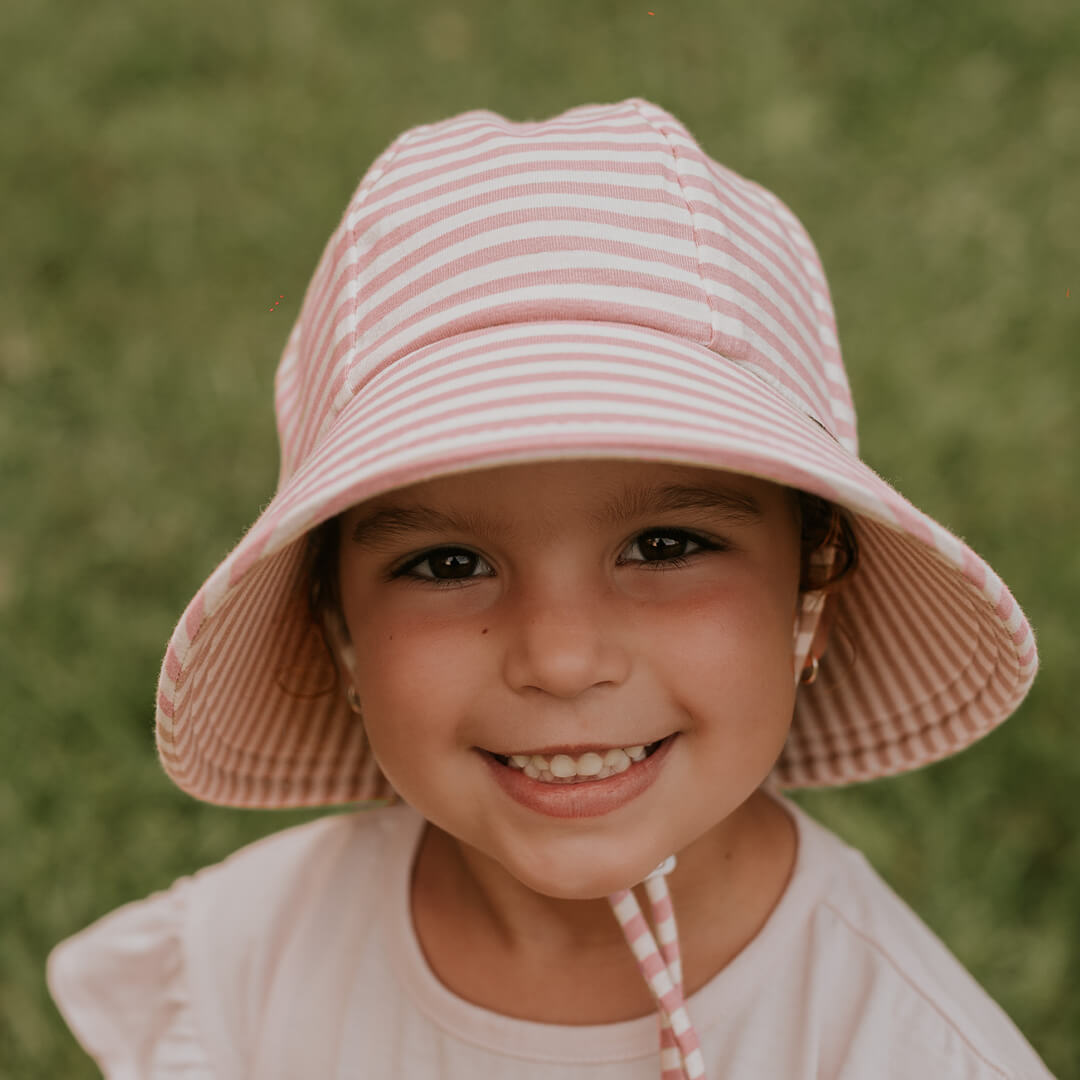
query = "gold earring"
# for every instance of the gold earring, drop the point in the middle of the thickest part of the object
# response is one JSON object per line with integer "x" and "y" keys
{"x": 353, "y": 699}
{"x": 812, "y": 667}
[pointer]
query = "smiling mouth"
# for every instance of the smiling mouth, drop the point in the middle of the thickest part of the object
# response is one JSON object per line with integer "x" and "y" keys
{"x": 579, "y": 768}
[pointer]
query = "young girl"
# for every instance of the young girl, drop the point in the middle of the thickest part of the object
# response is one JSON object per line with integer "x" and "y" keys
{"x": 572, "y": 565}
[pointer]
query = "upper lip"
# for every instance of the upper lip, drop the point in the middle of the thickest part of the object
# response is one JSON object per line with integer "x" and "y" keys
{"x": 575, "y": 750}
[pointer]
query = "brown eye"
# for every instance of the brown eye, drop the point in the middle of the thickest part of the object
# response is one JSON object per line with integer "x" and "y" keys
{"x": 663, "y": 545}
{"x": 663, "y": 549}
{"x": 454, "y": 563}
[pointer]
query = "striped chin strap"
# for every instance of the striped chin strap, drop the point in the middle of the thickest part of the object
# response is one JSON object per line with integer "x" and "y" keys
{"x": 680, "y": 1054}
{"x": 661, "y": 964}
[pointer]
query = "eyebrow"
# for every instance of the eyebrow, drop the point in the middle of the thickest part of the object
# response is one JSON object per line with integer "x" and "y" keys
{"x": 387, "y": 523}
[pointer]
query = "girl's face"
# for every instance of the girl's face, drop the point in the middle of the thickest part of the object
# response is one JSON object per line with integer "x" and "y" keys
{"x": 565, "y": 621}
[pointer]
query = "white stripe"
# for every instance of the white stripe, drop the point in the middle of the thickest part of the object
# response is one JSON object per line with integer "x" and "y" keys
{"x": 181, "y": 643}
{"x": 670, "y": 1058}
{"x": 994, "y": 588}
{"x": 643, "y": 946}
{"x": 841, "y": 409}
{"x": 217, "y": 585}
{"x": 661, "y": 981}
{"x": 167, "y": 687}
{"x": 946, "y": 543}
{"x": 680, "y": 1022}
{"x": 695, "y": 1064}
{"x": 627, "y": 908}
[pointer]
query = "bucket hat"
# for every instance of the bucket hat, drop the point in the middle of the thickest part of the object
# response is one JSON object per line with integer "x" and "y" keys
{"x": 589, "y": 285}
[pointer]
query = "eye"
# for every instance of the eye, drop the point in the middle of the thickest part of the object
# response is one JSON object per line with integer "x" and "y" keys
{"x": 662, "y": 549}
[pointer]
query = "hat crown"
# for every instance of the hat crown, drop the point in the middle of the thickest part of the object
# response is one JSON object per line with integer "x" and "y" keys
{"x": 607, "y": 213}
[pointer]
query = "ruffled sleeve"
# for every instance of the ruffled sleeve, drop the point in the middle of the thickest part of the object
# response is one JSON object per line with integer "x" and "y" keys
{"x": 121, "y": 985}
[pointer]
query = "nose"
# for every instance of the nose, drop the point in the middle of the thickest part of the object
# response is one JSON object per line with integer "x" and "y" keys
{"x": 566, "y": 638}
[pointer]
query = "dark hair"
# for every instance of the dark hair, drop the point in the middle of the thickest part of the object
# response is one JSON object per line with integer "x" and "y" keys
{"x": 822, "y": 523}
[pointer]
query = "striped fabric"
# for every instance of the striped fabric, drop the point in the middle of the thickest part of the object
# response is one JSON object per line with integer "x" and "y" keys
{"x": 591, "y": 285}
{"x": 661, "y": 966}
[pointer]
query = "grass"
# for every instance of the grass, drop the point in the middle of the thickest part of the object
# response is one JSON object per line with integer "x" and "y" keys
{"x": 172, "y": 170}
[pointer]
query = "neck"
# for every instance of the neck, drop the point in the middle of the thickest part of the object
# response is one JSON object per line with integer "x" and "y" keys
{"x": 723, "y": 889}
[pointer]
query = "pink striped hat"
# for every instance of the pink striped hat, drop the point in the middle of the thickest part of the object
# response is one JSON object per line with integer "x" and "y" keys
{"x": 589, "y": 285}
{"x": 592, "y": 285}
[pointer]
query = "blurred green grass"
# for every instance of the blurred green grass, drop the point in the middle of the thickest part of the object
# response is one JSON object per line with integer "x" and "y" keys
{"x": 171, "y": 170}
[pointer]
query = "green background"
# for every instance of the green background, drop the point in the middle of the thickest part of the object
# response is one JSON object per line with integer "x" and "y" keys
{"x": 170, "y": 170}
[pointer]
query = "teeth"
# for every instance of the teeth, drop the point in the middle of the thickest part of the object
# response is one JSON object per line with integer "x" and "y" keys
{"x": 590, "y": 766}
{"x": 563, "y": 767}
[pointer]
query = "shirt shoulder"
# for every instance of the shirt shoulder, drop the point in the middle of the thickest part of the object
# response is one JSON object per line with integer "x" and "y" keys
{"x": 179, "y": 977}
{"x": 898, "y": 997}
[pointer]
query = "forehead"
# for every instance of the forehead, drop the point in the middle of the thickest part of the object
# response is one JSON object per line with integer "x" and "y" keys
{"x": 537, "y": 499}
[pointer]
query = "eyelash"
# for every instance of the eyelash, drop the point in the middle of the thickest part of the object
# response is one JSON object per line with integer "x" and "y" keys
{"x": 405, "y": 571}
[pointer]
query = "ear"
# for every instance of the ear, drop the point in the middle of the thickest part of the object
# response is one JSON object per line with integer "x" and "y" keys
{"x": 340, "y": 644}
{"x": 824, "y": 627}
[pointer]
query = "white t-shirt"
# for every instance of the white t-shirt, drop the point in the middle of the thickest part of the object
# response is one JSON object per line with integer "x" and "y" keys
{"x": 295, "y": 959}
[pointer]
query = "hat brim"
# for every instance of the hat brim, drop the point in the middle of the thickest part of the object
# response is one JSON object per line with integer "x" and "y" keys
{"x": 248, "y": 711}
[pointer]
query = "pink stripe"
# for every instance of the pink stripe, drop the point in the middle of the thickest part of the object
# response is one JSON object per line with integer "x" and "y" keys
{"x": 662, "y": 909}
{"x": 651, "y": 965}
{"x": 635, "y": 927}
{"x": 193, "y": 617}
{"x": 172, "y": 664}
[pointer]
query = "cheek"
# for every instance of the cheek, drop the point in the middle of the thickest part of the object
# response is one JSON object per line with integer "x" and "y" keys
{"x": 410, "y": 676}
{"x": 733, "y": 670}
{"x": 738, "y": 625}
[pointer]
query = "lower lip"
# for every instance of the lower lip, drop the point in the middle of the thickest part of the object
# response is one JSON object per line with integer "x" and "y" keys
{"x": 588, "y": 798}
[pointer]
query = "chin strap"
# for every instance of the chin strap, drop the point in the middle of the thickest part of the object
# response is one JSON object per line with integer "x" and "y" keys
{"x": 680, "y": 1054}
{"x": 660, "y": 964}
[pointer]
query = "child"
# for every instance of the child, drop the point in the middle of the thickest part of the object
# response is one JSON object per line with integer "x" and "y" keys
{"x": 572, "y": 565}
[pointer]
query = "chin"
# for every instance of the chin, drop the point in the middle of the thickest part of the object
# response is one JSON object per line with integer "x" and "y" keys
{"x": 587, "y": 878}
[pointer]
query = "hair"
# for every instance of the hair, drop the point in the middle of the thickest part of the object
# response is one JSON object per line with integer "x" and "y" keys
{"x": 822, "y": 523}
